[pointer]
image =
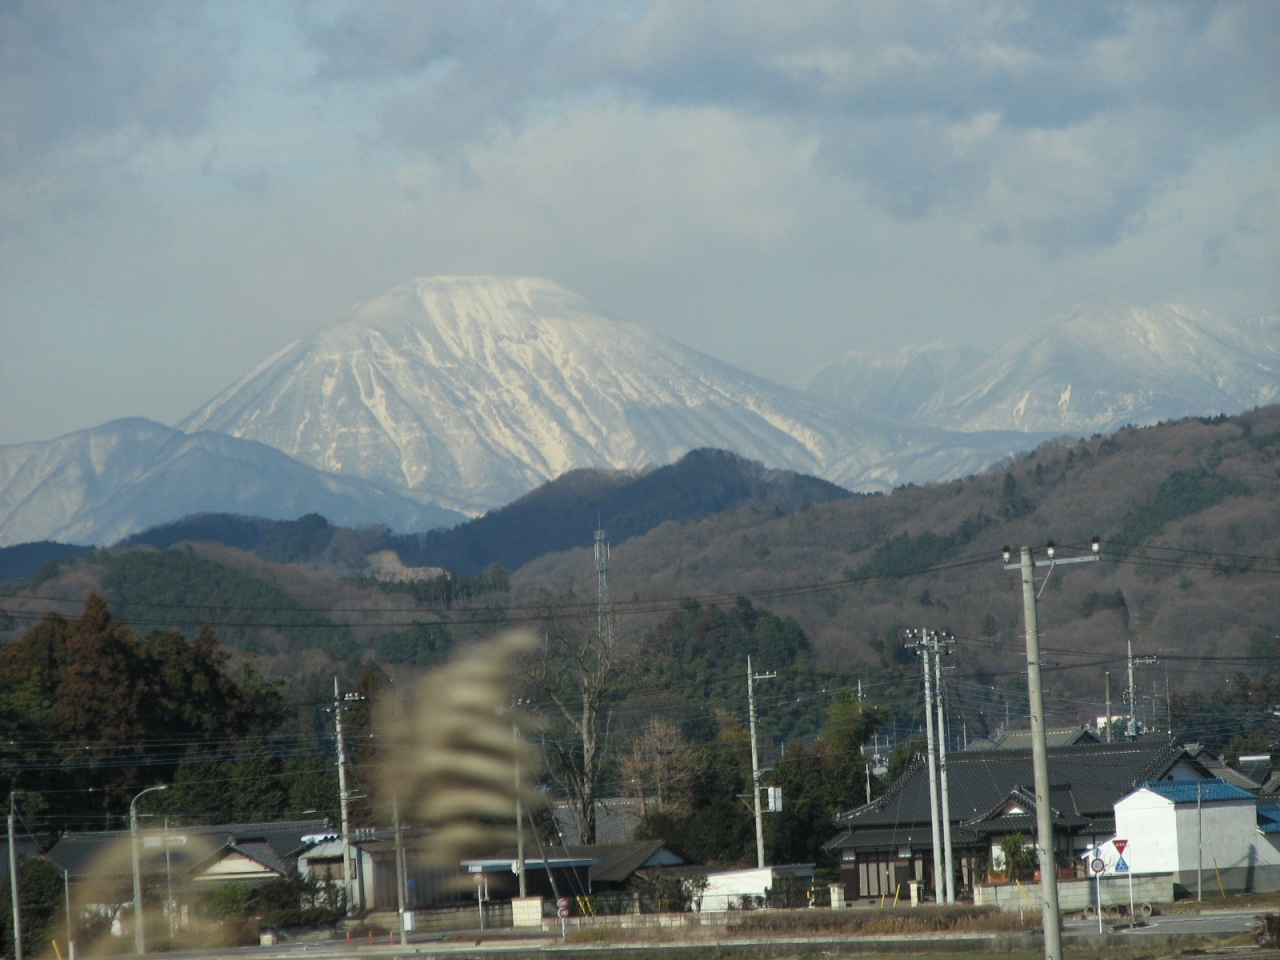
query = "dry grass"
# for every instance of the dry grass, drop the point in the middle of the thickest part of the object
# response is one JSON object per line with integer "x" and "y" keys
{"x": 776, "y": 924}
{"x": 959, "y": 919}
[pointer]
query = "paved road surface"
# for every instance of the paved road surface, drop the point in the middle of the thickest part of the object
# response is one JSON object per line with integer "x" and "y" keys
{"x": 1237, "y": 921}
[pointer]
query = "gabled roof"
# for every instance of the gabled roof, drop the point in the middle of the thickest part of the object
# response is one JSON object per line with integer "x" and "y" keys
{"x": 1256, "y": 767}
{"x": 616, "y": 819}
{"x": 1218, "y": 768}
{"x": 611, "y": 862}
{"x": 1062, "y": 737}
{"x": 1191, "y": 791}
{"x": 274, "y": 845}
{"x": 1086, "y": 780}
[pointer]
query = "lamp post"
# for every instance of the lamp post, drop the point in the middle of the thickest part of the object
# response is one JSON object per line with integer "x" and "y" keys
{"x": 139, "y": 938}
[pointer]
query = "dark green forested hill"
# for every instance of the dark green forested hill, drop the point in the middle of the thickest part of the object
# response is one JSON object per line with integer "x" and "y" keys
{"x": 565, "y": 512}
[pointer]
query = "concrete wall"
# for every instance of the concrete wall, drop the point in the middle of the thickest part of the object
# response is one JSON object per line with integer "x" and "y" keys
{"x": 1076, "y": 894}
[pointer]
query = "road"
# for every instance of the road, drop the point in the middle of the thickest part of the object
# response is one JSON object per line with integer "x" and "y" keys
{"x": 1237, "y": 921}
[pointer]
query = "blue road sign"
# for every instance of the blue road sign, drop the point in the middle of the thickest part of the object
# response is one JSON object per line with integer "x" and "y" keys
{"x": 1121, "y": 866}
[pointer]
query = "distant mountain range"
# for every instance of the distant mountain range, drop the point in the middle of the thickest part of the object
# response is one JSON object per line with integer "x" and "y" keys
{"x": 452, "y": 396}
{"x": 560, "y": 515}
{"x": 470, "y": 391}
{"x": 1091, "y": 370}
{"x": 97, "y": 486}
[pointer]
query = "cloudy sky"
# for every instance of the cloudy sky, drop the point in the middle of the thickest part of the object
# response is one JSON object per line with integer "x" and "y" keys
{"x": 186, "y": 187}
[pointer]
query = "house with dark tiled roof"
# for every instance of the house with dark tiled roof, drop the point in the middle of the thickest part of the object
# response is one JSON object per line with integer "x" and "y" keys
{"x": 589, "y": 868}
{"x": 888, "y": 842}
{"x": 1253, "y": 778}
{"x": 247, "y": 852}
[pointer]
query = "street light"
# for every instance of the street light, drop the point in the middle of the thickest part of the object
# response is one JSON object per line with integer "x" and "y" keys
{"x": 139, "y": 939}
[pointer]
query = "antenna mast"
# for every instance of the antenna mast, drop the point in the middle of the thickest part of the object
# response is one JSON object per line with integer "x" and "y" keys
{"x": 604, "y": 611}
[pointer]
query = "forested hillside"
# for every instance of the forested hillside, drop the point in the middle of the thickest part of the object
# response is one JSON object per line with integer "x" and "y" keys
{"x": 1187, "y": 511}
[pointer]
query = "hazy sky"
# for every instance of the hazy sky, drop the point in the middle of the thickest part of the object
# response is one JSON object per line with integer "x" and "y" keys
{"x": 186, "y": 187}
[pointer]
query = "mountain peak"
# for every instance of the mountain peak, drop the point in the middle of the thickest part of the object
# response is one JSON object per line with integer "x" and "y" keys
{"x": 471, "y": 391}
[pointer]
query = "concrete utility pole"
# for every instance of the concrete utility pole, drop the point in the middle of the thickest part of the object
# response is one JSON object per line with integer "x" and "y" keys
{"x": 935, "y": 827}
{"x": 139, "y": 919}
{"x": 1039, "y": 749}
{"x": 520, "y": 865}
{"x": 948, "y": 864}
{"x": 13, "y": 881}
{"x": 755, "y": 758}
{"x": 1199, "y": 844}
{"x": 400, "y": 869}
{"x": 1133, "y": 691}
{"x": 344, "y": 798}
{"x": 1108, "y": 706}
{"x": 932, "y": 644}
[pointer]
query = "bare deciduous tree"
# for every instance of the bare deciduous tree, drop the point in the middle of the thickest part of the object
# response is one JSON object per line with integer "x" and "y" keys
{"x": 574, "y": 670}
{"x": 661, "y": 764}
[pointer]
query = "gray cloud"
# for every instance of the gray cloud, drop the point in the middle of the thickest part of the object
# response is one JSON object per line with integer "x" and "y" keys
{"x": 185, "y": 187}
{"x": 999, "y": 106}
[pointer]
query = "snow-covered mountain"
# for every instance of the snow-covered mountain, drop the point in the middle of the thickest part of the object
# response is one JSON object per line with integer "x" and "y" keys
{"x": 1091, "y": 370}
{"x": 97, "y": 486}
{"x": 889, "y": 384}
{"x": 470, "y": 391}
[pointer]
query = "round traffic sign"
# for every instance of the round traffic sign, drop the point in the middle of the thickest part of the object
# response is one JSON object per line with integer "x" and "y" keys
{"x": 1097, "y": 866}
{"x": 563, "y": 911}
{"x": 563, "y": 903}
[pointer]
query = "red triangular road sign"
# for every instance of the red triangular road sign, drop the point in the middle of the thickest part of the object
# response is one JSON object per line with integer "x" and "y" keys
{"x": 1120, "y": 845}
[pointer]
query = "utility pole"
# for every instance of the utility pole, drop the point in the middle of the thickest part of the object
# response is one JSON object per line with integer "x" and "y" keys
{"x": 344, "y": 799}
{"x": 1199, "y": 844}
{"x": 866, "y": 764}
{"x": 931, "y": 644}
{"x": 13, "y": 881}
{"x": 1108, "y": 706}
{"x": 139, "y": 919}
{"x": 925, "y": 651}
{"x": 941, "y": 648}
{"x": 400, "y": 869}
{"x": 520, "y": 867}
{"x": 752, "y": 677}
{"x": 1133, "y": 691}
{"x": 1131, "y": 729}
{"x": 1039, "y": 750}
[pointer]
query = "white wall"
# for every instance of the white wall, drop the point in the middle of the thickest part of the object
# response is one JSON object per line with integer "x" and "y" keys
{"x": 726, "y": 889}
{"x": 1231, "y": 836}
{"x": 1164, "y": 838}
{"x": 1147, "y": 820}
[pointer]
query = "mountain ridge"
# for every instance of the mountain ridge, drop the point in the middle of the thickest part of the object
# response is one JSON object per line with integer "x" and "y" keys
{"x": 469, "y": 391}
{"x": 1092, "y": 369}
{"x": 102, "y": 484}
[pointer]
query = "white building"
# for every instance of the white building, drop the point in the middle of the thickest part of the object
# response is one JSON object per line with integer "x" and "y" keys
{"x": 1204, "y": 832}
{"x": 739, "y": 889}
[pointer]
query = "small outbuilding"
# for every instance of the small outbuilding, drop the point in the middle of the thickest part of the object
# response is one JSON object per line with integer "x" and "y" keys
{"x": 1205, "y": 833}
